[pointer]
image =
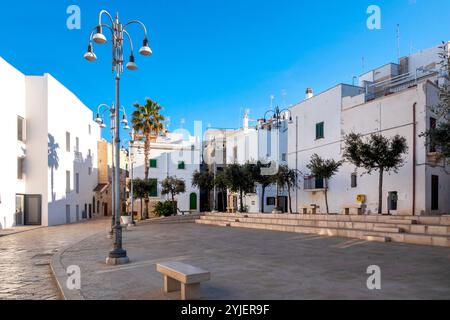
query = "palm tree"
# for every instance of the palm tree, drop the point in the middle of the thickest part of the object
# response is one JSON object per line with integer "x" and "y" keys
{"x": 147, "y": 122}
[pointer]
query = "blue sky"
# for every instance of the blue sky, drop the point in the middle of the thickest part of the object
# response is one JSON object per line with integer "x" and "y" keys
{"x": 214, "y": 59}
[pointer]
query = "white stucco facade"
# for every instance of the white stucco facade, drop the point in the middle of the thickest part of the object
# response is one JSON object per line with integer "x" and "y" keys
{"x": 172, "y": 155}
{"x": 58, "y": 150}
{"x": 397, "y": 102}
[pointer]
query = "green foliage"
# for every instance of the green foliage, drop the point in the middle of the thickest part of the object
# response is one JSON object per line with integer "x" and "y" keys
{"x": 240, "y": 179}
{"x": 288, "y": 179}
{"x": 375, "y": 153}
{"x": 147, "y": 119}
{"x": 203, "y": 180}
{"x": 323, "y": 168}
{"x": 165, "y": 209}
{"x": 173, "y": 187}
{"x": 439, "y": 137}
{"x": 143, "y": 188}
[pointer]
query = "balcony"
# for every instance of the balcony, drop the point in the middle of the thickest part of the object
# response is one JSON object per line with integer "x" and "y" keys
{"x": 313, "y": 184}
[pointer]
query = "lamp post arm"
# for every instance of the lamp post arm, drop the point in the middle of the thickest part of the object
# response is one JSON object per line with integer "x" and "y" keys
{"x": 100, "y": 15}
{"x": 130, "y": 40}
{"x": 140, "y": 23}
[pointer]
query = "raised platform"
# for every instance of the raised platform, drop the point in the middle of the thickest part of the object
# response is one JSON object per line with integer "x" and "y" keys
{"x": 433, "y": 231}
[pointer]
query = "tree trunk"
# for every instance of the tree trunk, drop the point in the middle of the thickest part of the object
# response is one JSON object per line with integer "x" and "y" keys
{"x": 290, "y": 199}
{"x": 326, "y": 200}
{"x": 146, "y": 171}
{"x": 263, "y": 194}
{"x": 141, "y": 210}
{"x": 242, "y": 201}
{"x": 380, "y": 192}
{"x": 224, "y": 199}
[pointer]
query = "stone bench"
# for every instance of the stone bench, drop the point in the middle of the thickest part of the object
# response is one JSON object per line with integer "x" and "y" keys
{"x": 231, "y": 209}
{"x": 309, "y": 209}
{"x": 352, "y": 209}
{"x": 183, "y": 277}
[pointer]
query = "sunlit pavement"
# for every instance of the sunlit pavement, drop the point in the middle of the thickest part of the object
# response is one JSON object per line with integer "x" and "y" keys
{"x": 254, "y": 264}
{"x": 25, "y": 258}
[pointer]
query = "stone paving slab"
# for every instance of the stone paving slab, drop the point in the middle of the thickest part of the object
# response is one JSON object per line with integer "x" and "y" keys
{"x": 257, "y": 265}
{"x": 25, "y": 272}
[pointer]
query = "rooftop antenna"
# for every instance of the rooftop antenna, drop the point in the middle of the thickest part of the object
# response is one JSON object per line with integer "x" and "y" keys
{"x": 398, "y": 42}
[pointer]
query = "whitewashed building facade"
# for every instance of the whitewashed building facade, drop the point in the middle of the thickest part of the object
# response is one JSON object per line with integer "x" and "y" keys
{"x": 51, "y": 143}
{"x": 394, "y": 99}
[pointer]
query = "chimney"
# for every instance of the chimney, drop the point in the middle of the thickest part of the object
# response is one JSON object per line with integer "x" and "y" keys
{"x": 309, "y": 93}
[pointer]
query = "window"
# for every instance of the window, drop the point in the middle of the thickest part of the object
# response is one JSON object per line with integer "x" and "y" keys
{"x": 153, "y": 188}
{"x": 77, "y": 182}
{"x": 89, "y": 153}
{"x": 153, "y": 163}
{"x": 320, "y": 183}
{"x": 433, "y": 122}
{"x": 434, "y": 193}
{"x": 89, "y": 129}
{"x": 283, "y": 157}
{"x": 68, "y": 141}
{"x": 89, "y": 171}
{"x": 20, "y": 162}
{"x": 181, "y": 165}
{"x": 270, "y": 201}
{"x": 354, "y": 180}
{"x": 67, "y": 181}
{"x": 320, "y": 134}
{"x": 20, "y": 129}
{"x": 235, "y": 153}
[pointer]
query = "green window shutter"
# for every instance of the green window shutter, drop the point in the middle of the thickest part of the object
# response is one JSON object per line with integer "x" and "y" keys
{"x": 320, "y": 134}
{"x": 153, "y": 163}
{"x": 154, "y": 188}
{"x": 181, "y": 165}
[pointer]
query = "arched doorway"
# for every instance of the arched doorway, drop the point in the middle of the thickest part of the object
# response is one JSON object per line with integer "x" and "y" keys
{"x": 193, "y": 202}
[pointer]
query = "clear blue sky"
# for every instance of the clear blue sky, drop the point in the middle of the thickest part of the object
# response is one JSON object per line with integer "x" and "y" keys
{"x": 214, "y": 58}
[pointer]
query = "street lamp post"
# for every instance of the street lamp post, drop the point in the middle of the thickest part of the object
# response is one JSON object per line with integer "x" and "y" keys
{"x": 118, "y": 30}
{"x": 278, "y": 116}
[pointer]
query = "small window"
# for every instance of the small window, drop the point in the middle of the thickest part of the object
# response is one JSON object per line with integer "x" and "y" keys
{"x": 90, "y": 171}
{"x": 20, "y": 162}
{"x": 181, "y": 165}
{"x": 270, "y": 201}
{"x": 153, "y": 163}
{"x": 20, "y": 129}
{"x": 283, "y": 157}
{"x": 67, "y": 181}
{"x": 89, "y": 129}
{"x": 77, "y": 144}
{"x": 68, "y": 141}
{"x": 354, "y": 180}
{"x": 320, "y": 134}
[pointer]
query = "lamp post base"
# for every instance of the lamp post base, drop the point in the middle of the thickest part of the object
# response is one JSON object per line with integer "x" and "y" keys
{"x": 117, "y": 261}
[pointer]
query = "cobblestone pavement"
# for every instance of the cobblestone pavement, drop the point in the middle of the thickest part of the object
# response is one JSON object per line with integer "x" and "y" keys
{"x": 254, "y": 264}
{"x": 25, "y": 272}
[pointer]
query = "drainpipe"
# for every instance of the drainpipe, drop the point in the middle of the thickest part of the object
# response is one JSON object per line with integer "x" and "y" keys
{"x": 414, "y": 158}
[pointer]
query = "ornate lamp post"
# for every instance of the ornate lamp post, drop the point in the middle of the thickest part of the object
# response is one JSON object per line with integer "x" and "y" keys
{"x": 100, "y": 119}
{"x": 277, "y": 117}
{"x": 118, "y": 30}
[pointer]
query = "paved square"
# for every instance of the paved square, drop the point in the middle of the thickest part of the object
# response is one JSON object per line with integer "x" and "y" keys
{"x": 254, "y": 264}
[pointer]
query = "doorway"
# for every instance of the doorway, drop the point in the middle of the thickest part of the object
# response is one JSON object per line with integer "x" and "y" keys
{"x": 434, "y": 193}
{"x": 32, "y": 210}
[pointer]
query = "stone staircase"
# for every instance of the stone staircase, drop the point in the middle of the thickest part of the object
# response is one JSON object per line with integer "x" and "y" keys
{"x": 433, "y": 231}
{"x": 189, "y": 218}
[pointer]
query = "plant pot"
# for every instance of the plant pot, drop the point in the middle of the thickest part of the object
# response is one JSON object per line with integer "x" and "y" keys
{"x": 125, "y": 220}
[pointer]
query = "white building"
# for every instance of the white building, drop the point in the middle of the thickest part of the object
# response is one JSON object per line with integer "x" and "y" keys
{"x": 171, "y": 155}
{"x": 394, "y": 99}
{"x": 250, "y": 144}
{"x": 48, "y": 171}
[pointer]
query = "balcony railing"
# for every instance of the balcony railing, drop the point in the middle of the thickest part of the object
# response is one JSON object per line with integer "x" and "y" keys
{"x": 313, "y": 183}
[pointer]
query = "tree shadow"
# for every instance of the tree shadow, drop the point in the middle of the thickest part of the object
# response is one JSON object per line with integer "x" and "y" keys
{"x": 53, "y": 161}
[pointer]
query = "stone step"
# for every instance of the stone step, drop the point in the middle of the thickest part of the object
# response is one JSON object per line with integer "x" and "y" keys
{"x": 376, "y": 238}
{"x": 381, "y": 228}
{"x": 386, "y": 226}
{"x": 421, "y": 239}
